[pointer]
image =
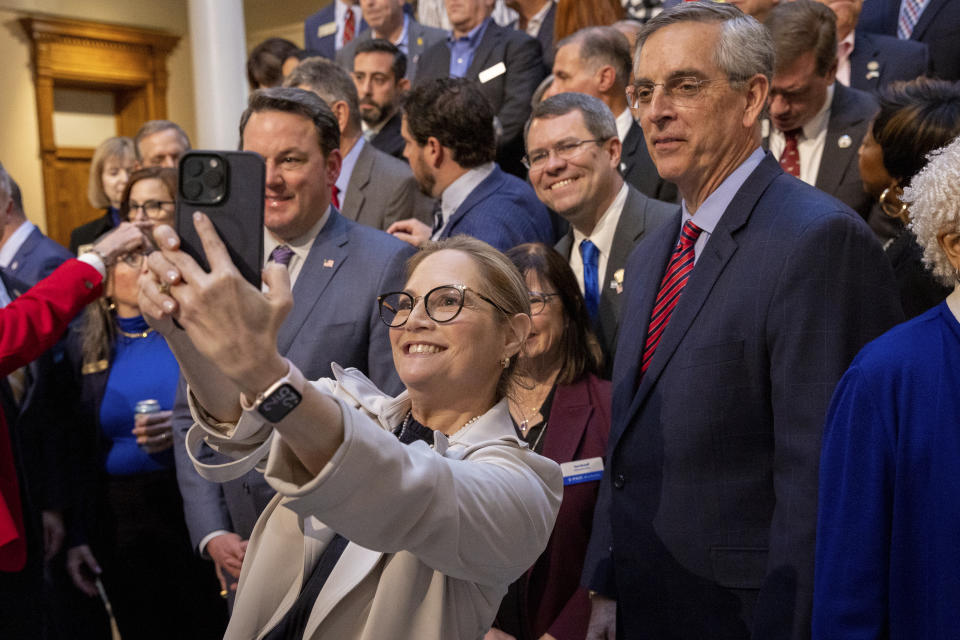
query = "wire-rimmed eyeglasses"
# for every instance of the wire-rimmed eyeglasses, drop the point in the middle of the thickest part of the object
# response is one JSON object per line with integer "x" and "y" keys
{"x": 539, "y": 301}
{"x": 442, "y": 303}
{"x": 680, "y": 89}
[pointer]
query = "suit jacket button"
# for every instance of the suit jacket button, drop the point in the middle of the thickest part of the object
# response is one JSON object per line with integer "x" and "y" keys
{"x": 619, "y": 481}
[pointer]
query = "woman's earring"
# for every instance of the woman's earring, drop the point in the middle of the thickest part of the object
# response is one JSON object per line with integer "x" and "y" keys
{"x": 505, "y": 362}
{"x": 890, "y": 202}
{"x": 111, "y": 305}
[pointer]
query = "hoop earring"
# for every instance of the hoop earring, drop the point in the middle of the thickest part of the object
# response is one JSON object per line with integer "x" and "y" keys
{"x": 505, "y": 362}
{"x": 895, "y": 208}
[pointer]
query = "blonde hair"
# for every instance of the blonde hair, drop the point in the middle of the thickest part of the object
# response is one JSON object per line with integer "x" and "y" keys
{"x": 117, "y": 147}
{"x": 934, "y": 197}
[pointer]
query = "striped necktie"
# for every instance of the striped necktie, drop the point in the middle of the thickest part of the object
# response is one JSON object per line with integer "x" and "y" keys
{"x": 281, "y": 255}
{"x": 674, "y": 280}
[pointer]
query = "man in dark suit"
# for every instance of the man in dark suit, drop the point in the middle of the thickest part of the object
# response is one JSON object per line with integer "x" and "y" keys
{"x": 450, "y": 143}
{"x": 378, "y": 71}
{"x": 743, "y": 312}
{"x": 25, "y": 252}
{"x": 937, "y": 26}
{"x": 868, "y": 61}
{"x": 388, "y": 21}
{"x": 537, "y": 18}
{"x": 373, "y": 188}
{"x": 596, "y": 61}
{"x": 508, "y": 65}
{"x": 337, "y": 269}
{"x": 574, "y": 155}
{"x": 817, "y": 123}
{"x": 328, "y": 30}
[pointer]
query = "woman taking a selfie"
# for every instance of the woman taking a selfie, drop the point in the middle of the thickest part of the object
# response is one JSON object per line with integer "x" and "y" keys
{"x": 394, "y": 517}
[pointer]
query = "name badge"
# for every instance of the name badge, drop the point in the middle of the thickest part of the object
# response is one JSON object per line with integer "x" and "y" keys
{"x": 327, "y": 29}
{"x": 579, "y": 471}
{"x": 490, "y": 73}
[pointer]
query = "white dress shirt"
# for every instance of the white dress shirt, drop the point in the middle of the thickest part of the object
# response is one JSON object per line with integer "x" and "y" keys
{"x": 624, "y": 122}
{"x": 602, "y": 237}
{"x": 14, "y": 242}
{"x": 301, "y": 247}
{"x": 810, "y": 142}
{"x": 844, "y": 49}
{"x": 340, "y": 16}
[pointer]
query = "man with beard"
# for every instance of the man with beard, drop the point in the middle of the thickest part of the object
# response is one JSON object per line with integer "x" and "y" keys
{"x": 378, "y": 72}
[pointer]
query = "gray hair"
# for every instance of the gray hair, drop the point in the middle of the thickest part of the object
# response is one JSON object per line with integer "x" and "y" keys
{"x": 934, "y": 197}
{"x": 745, "y": 47}
{"x": 329, "y": 81}
{"x": 597, "y": 116}
{"x": 6, "y": 184}
{"x": 151, "y": 127}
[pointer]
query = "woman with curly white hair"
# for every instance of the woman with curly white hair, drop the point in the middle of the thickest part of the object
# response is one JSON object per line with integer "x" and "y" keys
{"x": 888, "y": 534}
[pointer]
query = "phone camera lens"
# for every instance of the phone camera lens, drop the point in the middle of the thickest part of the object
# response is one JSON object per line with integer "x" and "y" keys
{"x": 193, "y": 167}
{"x": 192, "y": 189}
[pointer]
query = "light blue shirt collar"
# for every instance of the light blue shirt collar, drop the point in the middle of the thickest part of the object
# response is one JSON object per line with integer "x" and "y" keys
{"x": 462, "y": 49}
{"x": 711, "y": 210}
{"x": 346, "y": 168}
{"x": 14, "y": 242}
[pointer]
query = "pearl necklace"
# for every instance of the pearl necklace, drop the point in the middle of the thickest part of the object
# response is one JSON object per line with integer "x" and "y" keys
{"x": 409, "y": 416}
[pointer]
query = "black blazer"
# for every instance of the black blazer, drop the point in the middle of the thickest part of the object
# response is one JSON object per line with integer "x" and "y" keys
{"x": 938, "y": 28}
{"x": 878, "y": 60}
{"x": 89, "y": 232}
{"x": 638, "y": 169}
{"x": 509, "y": 92}
{"x": 388, "y": 139}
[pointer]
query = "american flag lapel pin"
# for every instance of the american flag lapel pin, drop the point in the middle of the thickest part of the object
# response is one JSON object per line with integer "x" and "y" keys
{"x": 328, "y": 263}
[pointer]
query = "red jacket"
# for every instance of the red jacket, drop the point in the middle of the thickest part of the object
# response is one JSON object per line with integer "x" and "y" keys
{"x": 30, "y": 325}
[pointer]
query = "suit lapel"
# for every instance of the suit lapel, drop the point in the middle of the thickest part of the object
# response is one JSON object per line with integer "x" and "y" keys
{"x": 491, "y": 39}
{"x": 926, "y": 18}
{"x": 359, "y": 180}
{"x": 630, "y": 227}
{"x": 569, "y": 416}
{"x": 865, "y": 51}
{"x": 837, "y": 158}
{"x": 23, "y": 253}
{"x": 326, "y": 256}
{"x": 710, "y": 265}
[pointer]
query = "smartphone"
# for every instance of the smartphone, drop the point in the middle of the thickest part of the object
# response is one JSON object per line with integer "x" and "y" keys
{"x": 228, "y": 186}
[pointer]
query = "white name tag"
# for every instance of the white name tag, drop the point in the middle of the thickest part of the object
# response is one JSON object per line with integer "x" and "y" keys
{"x": 490, "y": 73}
{"x": 327, "y": 29}
{"x": 579, "y": 471}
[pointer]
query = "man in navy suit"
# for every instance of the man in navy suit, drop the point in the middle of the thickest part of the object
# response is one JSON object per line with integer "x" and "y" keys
{"x": 450, "y": 143}
{"x": 868, "y": 61}
{"x": 740, "y": 315}
{"x": 937, "y": 26}
{"x": 337, "y": 269}
{"x": 507, "y": 63}
{"x": 825, "y": 120}
{"x": 596, "y": 61}
{"x": 323, "y": 32}
{"x": 25, "y": 252}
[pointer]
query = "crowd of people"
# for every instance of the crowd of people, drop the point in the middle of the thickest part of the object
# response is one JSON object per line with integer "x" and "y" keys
{"x": 579, "y": 320}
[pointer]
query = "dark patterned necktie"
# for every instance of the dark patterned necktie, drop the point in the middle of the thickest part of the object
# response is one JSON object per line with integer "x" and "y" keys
{"x": 672, "y": 285}
{"x": 790, "y": 158}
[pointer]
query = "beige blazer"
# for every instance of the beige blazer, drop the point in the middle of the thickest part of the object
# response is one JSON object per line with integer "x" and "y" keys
{"x": 437, "y": 533}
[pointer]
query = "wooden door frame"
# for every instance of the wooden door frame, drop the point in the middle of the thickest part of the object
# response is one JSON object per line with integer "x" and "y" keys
{"x": 96, "y": 56}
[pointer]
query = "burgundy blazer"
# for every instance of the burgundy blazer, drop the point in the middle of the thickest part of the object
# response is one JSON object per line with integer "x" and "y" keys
{"x": 577, "y": 428}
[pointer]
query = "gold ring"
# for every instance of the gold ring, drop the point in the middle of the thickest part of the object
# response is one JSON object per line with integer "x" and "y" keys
{"x": 223, "y": 593}
{"x": 164, "y": 288}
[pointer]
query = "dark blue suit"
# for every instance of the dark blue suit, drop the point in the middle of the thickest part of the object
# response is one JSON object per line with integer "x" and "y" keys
{"x": 36, "y": 258}
{"x": 335, "y": 318}
{"x": 325, "y": 45}
{"x": 878, "y": 60}
{"x": 502, "y": 211}
{"x": 938, "y": 28}
{"x": 705, "y": 525}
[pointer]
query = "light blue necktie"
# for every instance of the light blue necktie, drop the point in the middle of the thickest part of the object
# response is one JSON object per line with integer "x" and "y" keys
{"x": 591, "y": 289}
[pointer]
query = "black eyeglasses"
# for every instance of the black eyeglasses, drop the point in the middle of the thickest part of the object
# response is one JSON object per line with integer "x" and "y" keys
{"x": 565, "y": 150}
{"x": 539, "y": 301}
{"x": 153, "y": 209}
{"x": 442, "y": 303}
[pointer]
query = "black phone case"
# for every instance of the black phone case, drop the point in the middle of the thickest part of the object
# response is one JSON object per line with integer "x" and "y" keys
{"x": 237, "y": 213}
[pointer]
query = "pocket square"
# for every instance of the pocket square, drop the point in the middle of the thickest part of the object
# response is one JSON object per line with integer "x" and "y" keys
{"x": 490, "y": 73}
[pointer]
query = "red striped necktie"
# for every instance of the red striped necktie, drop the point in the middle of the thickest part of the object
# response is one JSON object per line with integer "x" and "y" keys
{"x": 349, "y": 27}
{"x": 674, "y": 280}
